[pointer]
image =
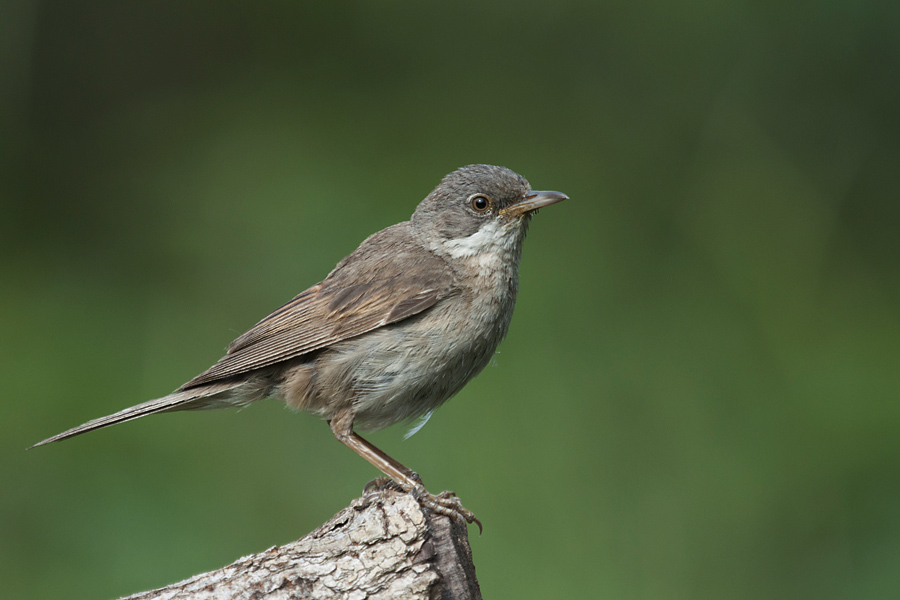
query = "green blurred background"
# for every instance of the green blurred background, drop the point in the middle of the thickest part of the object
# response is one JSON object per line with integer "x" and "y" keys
{"x": 698, "y": 397}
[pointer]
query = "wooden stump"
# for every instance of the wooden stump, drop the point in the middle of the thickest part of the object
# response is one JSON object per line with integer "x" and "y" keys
{"x": 384, "y": 545}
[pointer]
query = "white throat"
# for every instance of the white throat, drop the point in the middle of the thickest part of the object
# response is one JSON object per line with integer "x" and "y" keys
{"x": 495, "y": 248}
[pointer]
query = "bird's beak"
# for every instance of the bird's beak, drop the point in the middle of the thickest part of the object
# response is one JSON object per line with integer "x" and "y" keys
{"x": 532, "y": 201}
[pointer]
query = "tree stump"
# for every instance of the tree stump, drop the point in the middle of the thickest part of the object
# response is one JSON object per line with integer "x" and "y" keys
{"x": 384, "y": 545}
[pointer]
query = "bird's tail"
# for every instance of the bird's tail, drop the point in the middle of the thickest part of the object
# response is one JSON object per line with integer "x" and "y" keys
{"x": 212, "y": 395}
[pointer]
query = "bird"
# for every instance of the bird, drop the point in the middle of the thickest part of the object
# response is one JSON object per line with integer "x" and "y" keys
{"x": 398, "y": 327}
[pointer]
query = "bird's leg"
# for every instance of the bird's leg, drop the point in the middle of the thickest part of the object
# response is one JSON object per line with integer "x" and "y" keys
{"x": 445, "y": 503}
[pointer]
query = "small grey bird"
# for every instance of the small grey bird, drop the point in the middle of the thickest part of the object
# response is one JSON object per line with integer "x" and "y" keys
{"x": 396, "y": 329}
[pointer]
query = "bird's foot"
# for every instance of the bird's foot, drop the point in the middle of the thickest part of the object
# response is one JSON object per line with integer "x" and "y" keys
{"x": 446, "y": 503}
{"x": 382, "y": 483}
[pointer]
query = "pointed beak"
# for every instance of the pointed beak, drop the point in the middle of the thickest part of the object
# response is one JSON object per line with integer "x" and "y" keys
{"x": 532, "y": 201}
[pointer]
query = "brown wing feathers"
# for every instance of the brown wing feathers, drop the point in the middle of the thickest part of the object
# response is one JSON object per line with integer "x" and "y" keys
{"x": 321, "y": 316}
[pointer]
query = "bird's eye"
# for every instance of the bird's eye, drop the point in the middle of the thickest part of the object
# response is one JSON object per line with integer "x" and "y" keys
{"x": 480, "y": 203}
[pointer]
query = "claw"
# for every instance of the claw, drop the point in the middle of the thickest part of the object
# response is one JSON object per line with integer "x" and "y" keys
{"x": 382, "y": 483}
{"x": 446, "y": 503}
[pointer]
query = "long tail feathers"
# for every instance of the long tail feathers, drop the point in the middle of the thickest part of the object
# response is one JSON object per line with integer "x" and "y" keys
{"x": 202, "y": 397}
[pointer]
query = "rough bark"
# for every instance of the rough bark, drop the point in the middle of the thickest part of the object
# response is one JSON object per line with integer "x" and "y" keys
{"x": 384, "y": 545}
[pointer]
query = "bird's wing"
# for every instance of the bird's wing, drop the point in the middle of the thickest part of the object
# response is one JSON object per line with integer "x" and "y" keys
{"x": 357, "y": 297}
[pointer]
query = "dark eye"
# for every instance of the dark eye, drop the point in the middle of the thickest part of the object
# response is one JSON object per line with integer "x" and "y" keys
{"x": 480, "y": 203}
